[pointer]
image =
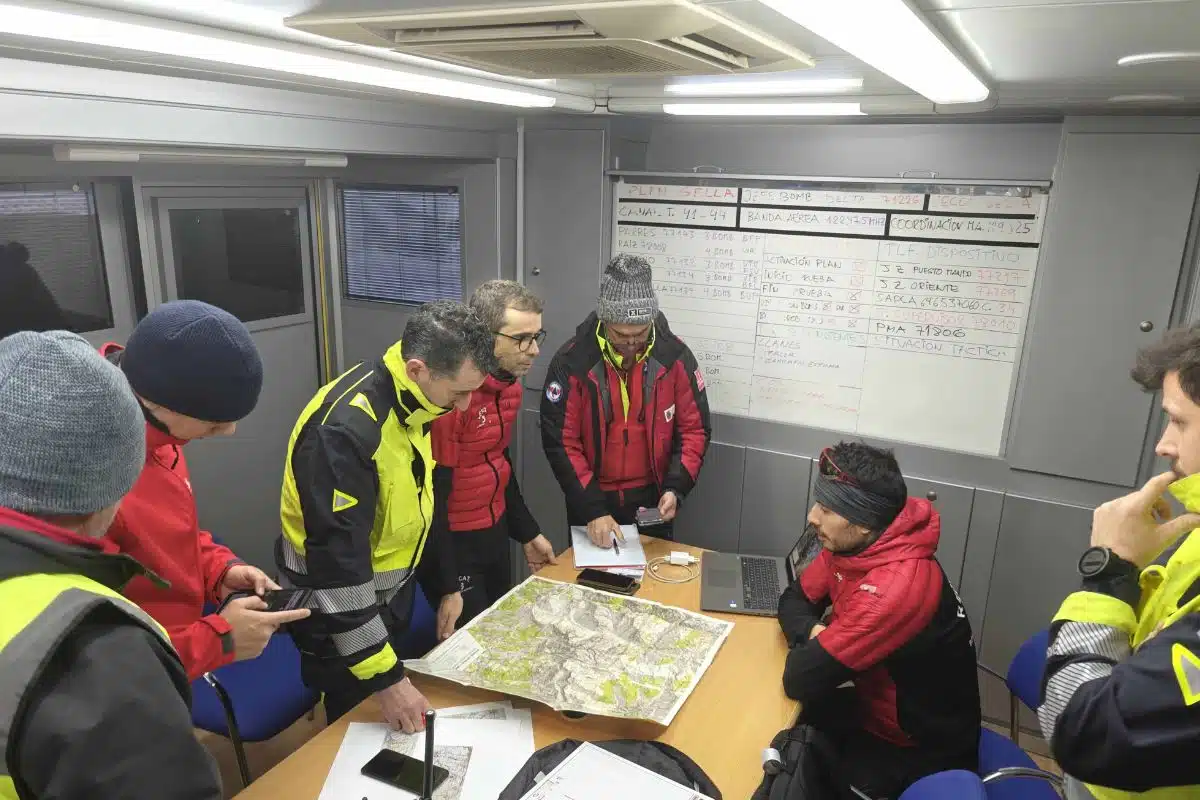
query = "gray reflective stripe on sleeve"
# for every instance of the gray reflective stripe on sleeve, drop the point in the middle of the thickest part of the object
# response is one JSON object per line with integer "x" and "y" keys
{"x": 1108, "y": 644}
{"x": 390, "y": 580}
{"x": 346, "y": 598}
{"x": 22, "y": 659}
{"x": 369, "y": 634}
{"x": 291, "y": 558}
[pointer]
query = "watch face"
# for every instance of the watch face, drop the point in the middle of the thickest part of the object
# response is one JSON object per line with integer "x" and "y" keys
{"x": 1093, "y": 560}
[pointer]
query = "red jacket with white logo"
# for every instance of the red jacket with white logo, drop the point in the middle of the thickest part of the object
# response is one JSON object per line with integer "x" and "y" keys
{"x": 474, "y": 445}
{"x": 577, "y": 409}
{"x": 898, "y": 630}
{"x": 158, "y": 524}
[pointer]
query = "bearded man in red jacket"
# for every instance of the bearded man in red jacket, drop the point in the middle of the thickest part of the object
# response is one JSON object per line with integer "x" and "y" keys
{"x": 195, "y": 371}
{"x": 486, "y": 508}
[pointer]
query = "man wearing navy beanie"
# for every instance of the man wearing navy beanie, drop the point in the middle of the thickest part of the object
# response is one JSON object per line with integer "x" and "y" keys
{"x": 196, "y": 372}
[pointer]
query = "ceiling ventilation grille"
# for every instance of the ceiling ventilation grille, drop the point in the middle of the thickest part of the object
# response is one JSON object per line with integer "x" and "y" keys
{"x": 602, "y": 38}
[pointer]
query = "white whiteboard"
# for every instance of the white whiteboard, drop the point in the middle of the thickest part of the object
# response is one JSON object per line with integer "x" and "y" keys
{"x": 882, "y": 313}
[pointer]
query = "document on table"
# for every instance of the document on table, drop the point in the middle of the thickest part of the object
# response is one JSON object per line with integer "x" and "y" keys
{"x": 589, "y": 555}
{"x": 593, "y": 773}
{"x": 481, "y": 746}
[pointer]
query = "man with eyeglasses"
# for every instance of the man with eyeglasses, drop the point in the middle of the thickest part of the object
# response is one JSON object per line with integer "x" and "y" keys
{"x": 625, "y": 420}
{"x": 486, "y": 508}
{"x": 895, "y": 627}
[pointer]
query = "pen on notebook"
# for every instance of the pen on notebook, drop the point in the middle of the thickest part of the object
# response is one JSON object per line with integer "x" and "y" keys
{"x": 616, "y": 547}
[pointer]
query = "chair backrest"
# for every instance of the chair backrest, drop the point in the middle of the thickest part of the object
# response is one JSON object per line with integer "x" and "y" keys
{"x": 1024, "y": 677}
{"x": 421, "y": 634}
{"x": 997, "y": 750}
{"x": 955, "y": 784}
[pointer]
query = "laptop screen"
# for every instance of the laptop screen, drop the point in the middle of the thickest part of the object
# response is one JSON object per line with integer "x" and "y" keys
{"x": 802, "y": 553}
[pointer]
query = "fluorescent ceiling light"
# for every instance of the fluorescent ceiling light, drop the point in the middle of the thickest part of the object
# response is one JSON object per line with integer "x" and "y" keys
{"x": 734, "y": 88}
{"x": 891, "y": 37}
{"x": 763, "y": 109}
{"x": 1146, "y": 98}
{"x": 1158, "y": 58}
{"x": 87, "y": 153}
{"x": 102, "y": 32}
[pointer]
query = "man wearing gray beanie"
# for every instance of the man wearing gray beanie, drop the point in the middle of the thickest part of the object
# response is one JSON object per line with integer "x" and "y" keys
{"x": 95, "y": 700}
{"x": 624, "y": 413}
{"x": 195, "y": 372}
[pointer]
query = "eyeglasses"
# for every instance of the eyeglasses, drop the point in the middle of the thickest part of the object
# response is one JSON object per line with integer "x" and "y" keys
{"x": 641, "y": 337}
{"x": 829, "y": 469}
{"x": 526, "y": 340}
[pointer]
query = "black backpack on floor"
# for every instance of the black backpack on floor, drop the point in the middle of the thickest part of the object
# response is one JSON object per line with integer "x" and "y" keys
{"x": 803, "y": 769}
{"x": 654, "y": 756}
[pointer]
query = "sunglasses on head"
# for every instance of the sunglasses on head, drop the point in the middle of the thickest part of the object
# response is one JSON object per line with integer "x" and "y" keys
{"x": 829, "y": 469}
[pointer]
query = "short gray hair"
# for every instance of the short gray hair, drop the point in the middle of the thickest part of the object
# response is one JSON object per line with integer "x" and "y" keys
{"x": 445, "y": 334}
{"x": 494, "y": 297}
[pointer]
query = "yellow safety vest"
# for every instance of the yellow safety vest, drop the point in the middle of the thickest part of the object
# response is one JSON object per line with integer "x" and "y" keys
{"x": 36, "y": 613}
{"x": 1163, "y": 586}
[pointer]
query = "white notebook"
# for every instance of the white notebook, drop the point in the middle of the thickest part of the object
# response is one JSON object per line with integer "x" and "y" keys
{"x": 587, "y": 554}
{"x": 593, "y": 773}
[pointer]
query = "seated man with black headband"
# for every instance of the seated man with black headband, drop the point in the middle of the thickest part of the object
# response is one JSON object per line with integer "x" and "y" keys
{"x": 896, "y": 628}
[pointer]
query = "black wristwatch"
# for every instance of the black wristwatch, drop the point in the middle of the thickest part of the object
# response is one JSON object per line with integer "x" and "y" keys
{"x": 1102, "y": 562}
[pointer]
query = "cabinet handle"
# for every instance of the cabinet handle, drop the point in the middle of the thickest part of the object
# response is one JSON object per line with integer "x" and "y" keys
{"x": 1146, "y": 326}
{"x": 537, "y": 270}
{"x": 931, "y": 497}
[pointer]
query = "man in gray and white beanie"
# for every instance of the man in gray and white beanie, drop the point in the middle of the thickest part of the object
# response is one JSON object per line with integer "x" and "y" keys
{"x": 625, "y": 370}
{"x": 95, "y": 697}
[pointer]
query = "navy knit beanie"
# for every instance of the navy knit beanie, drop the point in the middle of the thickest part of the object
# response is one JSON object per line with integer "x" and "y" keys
{"x": 194, "y": 359}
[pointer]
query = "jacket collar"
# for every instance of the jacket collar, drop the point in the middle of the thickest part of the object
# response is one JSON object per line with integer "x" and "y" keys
{"x": 30, "y": 546}
{"x": 412, "y": 406}
{"x": 586, "y": 351}
{"x": 1187, "y": 492}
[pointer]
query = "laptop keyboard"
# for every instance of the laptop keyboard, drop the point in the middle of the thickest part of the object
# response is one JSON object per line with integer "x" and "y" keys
{"x": 760, "y": 583}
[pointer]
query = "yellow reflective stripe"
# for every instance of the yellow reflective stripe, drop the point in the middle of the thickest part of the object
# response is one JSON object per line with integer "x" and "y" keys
{"x": 351, "y": 388}
{"x": 374, "y": 665}
{"x": 1101, "y": 609}
{"x": 8, "y": 789}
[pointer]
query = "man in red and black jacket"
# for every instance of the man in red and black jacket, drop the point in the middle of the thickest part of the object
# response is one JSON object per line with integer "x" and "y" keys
{"x": 624, "y": 414}
{"x": 486, "y": 508}
{"x": 895, "y": 627}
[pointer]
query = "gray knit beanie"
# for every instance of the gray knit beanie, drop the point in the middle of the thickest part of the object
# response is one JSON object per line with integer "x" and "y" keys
{"x": 627, "y": 292}
{"x": 72, "y": 436}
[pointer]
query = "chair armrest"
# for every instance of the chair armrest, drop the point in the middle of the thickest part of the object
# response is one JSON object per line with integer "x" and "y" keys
{"x": 1004, "y": 773}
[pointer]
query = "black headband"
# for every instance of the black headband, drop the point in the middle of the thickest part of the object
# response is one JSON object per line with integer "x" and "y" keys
{"x": 858, "y": 506}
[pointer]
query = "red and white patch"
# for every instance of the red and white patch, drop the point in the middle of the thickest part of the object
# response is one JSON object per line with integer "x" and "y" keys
{"x": 669, "y": 414}
{"x": 699, "y": 380}
{"x": 554, "y": 391}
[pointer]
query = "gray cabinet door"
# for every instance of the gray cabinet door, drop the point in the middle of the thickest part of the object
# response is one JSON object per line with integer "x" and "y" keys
{"x": 564, "y": 240}
{"x": 712, "y": 512}
{"x": 1115, "y": 236}
{"x": 954, "y": 505}
{"x": 540, "y": 488}
{"x": 775, "y": 492}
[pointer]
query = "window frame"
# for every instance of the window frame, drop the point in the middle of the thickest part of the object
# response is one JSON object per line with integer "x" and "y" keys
{"x": 445, "y": 187}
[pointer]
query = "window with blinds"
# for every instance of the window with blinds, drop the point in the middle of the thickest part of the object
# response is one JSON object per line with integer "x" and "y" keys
{"x": 51, "y": 269}
{"x": 402, "y": 244}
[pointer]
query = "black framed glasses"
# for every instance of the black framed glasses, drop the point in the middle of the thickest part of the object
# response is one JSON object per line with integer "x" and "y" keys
{"x": 526, "y": 340}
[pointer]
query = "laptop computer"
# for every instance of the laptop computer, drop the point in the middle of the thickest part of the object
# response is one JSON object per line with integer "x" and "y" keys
{"x": 737, "y": 584}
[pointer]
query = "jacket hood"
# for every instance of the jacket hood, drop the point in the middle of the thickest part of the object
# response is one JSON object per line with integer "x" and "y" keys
{"x": 495, "y": 384}
{"x": 914, "y": 534}
{"x": 25, "y": 550}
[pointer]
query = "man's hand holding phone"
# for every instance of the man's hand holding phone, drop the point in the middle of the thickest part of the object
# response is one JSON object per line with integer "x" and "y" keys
{"x": 253, "y": 625}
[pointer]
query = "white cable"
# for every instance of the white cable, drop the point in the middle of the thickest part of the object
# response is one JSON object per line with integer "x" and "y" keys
{"x": 677, "y": 558}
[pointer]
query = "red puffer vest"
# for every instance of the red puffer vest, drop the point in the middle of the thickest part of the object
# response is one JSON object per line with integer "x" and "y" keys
{"x": 472, "y": 443}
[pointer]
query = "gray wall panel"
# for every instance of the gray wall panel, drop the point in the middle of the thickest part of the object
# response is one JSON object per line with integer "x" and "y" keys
{"x": 542, "y": 493}
{"x": 984, "y": 530}
{"x": 711, "y": 515}
{"x": 774, "y": 501}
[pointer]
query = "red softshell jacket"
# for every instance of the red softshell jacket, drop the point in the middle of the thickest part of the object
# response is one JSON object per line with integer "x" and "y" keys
{"x": 158, "y": 524}
{"x": 577, "y": 409}
{"x": 474, "y": 445}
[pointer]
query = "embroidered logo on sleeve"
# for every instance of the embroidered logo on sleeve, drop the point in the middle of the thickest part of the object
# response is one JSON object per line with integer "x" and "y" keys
{"x": 554, "y": 391}
{"x": 1187, "y": 672}
{"x": 343, "y": 501}
{"x": 669, "y": 414}
{"x": 699, "y": 380}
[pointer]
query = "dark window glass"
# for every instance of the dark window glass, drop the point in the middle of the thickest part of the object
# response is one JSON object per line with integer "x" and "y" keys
{"x": 402, "y": 244}
{"x": 245, "y": 260}
{"x": 51, "y": 266}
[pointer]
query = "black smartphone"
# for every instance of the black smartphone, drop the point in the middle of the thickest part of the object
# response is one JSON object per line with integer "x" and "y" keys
{"x": 288, "y": 599}
{"x": 607, "y": 581}
{"x": 648, "y": 517}
{"x": 403, "y": 772}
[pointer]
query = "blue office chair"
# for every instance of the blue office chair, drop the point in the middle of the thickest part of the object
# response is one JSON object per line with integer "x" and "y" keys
{"x": 956, "y": 784}
{"x": 252, "y": 701}
{"x": 1024, "y": 679}
{"x": 421, "y": 635}
{"x": 1008, "y": 773}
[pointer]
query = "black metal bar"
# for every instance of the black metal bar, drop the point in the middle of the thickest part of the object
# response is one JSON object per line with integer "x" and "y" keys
{"x": 235, "y": 736}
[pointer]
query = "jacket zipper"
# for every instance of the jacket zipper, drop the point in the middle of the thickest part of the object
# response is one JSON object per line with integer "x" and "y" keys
{"x": 495, "y": 472}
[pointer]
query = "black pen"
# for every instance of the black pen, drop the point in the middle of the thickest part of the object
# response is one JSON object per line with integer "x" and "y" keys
{"x": 616, "y": 547}
{"x": 427, "y": 772}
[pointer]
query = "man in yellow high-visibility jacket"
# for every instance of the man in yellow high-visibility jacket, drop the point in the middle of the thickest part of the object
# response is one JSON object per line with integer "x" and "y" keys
{"x": 1122, "y": 681}
{"x": 362, "y": 516}
{"x": 93, "y": 699}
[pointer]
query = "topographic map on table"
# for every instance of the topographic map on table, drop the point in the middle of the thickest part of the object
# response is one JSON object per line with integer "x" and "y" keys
{"x": 580, "y": 649}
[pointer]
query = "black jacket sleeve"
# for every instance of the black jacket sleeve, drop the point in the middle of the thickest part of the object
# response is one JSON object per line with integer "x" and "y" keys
{"x": 438, "y": 569}
{"x": 338, "y": 553}
{"x": 798, "y": 614}
{"x": 562, "y": 439}
{"x": 522, "y": 527}
{"x": 107, "y": 719}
